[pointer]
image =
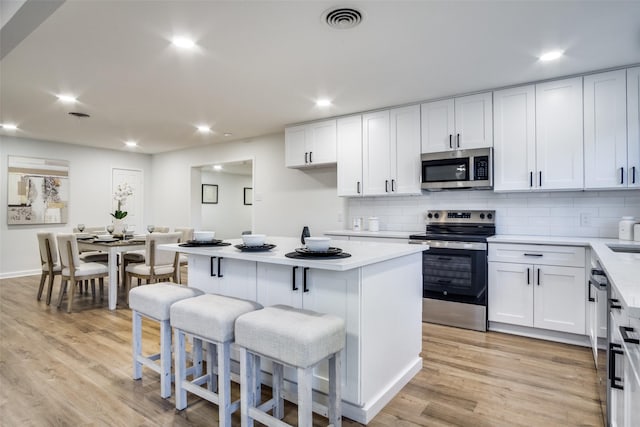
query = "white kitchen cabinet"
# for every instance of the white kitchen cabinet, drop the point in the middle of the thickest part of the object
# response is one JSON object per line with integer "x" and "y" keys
{"x": 605, "y": 130}
{"x": 391, "y": 152}
{"x": 514, "y": 144}
{"x": 457, "y": 123}
{"x": 349, "y": 156}
{"x": 310, "y": 145}
{"x": 537, "y": 286}
{"x": 224, "y": 276}
{"x": 633, "y": 126}
{"x": 559, "y": 135}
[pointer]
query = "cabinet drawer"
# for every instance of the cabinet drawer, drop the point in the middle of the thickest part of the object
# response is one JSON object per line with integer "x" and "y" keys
{"x": 569, "y": 256}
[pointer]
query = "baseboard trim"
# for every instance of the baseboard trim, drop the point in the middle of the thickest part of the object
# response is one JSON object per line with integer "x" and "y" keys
{"x": 543, "y": 334}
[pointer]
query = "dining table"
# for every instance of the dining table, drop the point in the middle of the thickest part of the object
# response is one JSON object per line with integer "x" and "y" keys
{"x": 112, "y": 248}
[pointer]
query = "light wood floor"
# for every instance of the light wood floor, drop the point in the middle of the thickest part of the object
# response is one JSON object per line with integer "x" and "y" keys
{"x": 75, "y": 369}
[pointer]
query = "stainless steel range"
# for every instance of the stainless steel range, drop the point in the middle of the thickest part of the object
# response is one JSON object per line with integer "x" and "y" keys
{"x": 454, "y": 269}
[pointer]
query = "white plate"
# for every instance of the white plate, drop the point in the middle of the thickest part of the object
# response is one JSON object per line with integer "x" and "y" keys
{"x": 105, "y": 239}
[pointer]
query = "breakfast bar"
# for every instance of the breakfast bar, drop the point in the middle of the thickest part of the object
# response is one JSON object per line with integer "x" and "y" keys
{"x": 377, "y": 291}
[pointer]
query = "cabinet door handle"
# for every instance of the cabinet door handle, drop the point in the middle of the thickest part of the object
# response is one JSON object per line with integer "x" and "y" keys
{"x": 450, "y": 143}
{"x": 540, "y": 179}
{"x": 621, "y": 175}
{"x": 293, "y": 279}
{"x": 458, "y": 141}
{"x": 393, "y": 185}
{"x": 625, "y": 336}
{"x": 531, "y": 179}
{"x": 536, "y": 255}
{"x": 305, "y": 157}
{"x": 386, "y": 185}
{"x": 613, "y": 304}
{"x": 358, "y": 187}
{"x": 614, "y": 349}
{"x": 219, "y": 262}
{"x": 310, "y": 154}
{"x": 591, "y": 299}
{"x": 538, "y": 282}
{"x": 633, "y": 175}
{"x": 304, "y": 280}
{"x": 528, "y": 276}
{"x": 211, "y": 269}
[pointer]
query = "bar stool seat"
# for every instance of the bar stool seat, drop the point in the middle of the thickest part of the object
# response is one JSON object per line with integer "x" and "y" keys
{"x": 297, "y": 338}
{"x": 210, "y": 319}
{"x": 154, "y": 302}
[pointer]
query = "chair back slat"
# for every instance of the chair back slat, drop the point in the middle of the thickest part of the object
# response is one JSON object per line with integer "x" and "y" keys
{"x": 50, "y": 252}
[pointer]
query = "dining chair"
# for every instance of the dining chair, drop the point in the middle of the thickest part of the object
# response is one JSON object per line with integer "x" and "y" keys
{"x": 183, "y": 260}
{"x": 50, "y": 262}
{"x": 161, "y": 229}
{"x": 159, "y": 265}
{"x": 76, "y": 271}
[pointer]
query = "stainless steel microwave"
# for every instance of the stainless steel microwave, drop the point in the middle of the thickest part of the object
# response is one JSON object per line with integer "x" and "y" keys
{"x": 458, "y": 169}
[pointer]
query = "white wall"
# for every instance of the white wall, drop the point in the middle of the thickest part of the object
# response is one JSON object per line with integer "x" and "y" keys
{"x": 90, "y": 195}
{"x": 284, "y": 200}
{"x": 577, "y": 213}
{"x": 230, "y": 216}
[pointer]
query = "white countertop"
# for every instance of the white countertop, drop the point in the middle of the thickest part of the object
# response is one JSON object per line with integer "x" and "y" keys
{"x": 365, "y": 233}
{"x": 362, "y": 253}
{"x": 623, "y": 269}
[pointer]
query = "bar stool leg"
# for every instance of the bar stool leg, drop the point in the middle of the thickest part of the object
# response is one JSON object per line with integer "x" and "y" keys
{"x": 247, "y": 395}
{"x": 212, "y": 363}
{"x": 136, "y": 332}
{"x": 224, "y": 384}
{"x": 196, "y": 357}
{"x": 181, "y": 370}
{"x": 278, "y": 384}
{"x": 335, "y": 409}
{"x": 165, "y": 359}
{"x": 305, "y": 397}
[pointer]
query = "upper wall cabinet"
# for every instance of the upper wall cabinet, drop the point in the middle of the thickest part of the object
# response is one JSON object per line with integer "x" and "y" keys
{"x": 379, "y": 153}
{"x": 457, "y": 123}
{"x": 633, "y": 127}
{"x": 605, "y": 130}
{"x": 310, "y": 145}
{"x": 538, "y": 137}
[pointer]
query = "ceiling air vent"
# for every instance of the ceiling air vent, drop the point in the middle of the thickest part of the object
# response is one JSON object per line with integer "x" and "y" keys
{"x": 343, "y": 18}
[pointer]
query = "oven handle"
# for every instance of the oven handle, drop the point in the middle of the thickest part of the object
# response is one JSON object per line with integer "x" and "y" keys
{"x": 440, "y": 244}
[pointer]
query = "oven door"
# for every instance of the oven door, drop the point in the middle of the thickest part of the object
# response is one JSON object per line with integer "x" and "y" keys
{"x": 458, "y": 275}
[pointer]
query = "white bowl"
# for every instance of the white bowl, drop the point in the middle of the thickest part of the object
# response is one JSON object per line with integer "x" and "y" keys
{"x": 253, "y": 239}
{"x": 203, "y": 236}
{"x": 317, "y": 244}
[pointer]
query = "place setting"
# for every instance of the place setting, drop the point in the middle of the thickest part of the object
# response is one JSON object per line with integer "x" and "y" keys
{"x": 317, "y": 248}
{"x": 203, "y": 239}
{"x": 254, "y": 243}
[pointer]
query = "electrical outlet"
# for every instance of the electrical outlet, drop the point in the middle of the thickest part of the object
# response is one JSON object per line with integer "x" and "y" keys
{"x": 585, "y": 219}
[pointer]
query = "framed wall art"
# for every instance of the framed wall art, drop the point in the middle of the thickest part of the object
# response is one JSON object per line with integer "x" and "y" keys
{"x": 209, "y": 193}
{"x": 38, "y": 191}
{"x": 248, "y": 196}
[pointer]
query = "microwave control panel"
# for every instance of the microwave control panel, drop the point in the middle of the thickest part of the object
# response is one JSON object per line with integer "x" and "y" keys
{"x": 481, "y": 168}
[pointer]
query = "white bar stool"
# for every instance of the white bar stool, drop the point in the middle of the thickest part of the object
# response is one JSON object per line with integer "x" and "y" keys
{"x": 210, "y": 319}
{"x": 297, "y": 338}
{"x": 153, "y": 302}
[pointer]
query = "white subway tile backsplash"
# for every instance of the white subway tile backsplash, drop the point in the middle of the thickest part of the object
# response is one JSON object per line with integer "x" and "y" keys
{"x": 572, "y": 213}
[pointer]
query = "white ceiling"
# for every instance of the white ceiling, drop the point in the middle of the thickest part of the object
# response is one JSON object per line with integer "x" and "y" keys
{"x": 259, "y": 65}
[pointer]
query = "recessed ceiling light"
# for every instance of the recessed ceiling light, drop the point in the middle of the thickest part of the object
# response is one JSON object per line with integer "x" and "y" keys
{"x": 183, "y": 42}
{"x": 228, "y": 134}
{"x": 550, "y": 56}
{"x": 217, "y": 167}
{"x": 9, "y": 126}
{"x": 323, "y": 102}
{"x": 131, "y": 143}
{"x": 67, "y": 99}
{"x": 203, "y": 129}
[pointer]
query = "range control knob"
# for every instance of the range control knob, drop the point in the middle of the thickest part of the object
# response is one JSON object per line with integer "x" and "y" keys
{"x": 437, "y": 215}
{"x": 430, "y": 216}
{"x": 481, "y": 216}
{"x": 489, "y": 216}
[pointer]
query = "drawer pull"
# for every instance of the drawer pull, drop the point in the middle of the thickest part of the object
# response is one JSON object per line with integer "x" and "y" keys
{"x": 613, "y": 305}
{"x": 625, "y": 336}
{"x": 536, "y": 255}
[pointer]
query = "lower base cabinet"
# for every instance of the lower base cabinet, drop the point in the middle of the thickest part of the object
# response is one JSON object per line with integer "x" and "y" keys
{"x": 537, "y": 295}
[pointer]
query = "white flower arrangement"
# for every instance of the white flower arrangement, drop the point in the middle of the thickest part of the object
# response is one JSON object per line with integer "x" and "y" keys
{"x": 123, "y": 191}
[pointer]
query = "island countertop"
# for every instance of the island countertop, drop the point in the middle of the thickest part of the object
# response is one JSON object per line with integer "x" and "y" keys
{"x": 362, "y": 253}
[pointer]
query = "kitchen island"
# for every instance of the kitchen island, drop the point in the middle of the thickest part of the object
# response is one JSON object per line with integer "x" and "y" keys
{"x": 377, "y": 291}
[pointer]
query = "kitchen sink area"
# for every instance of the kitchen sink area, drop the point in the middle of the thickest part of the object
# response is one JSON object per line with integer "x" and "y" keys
{"x": 625, "y": 248}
